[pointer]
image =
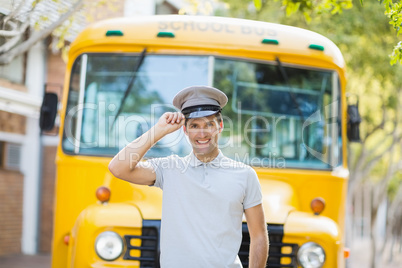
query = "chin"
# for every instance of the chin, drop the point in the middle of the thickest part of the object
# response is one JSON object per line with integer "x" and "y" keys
{"x": 203, "y": 151}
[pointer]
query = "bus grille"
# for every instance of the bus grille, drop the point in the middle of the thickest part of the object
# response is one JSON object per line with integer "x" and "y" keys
{"x": 149, "y": 248}
{"x": 277, "y": 250}
{"x": 149, "y": 257}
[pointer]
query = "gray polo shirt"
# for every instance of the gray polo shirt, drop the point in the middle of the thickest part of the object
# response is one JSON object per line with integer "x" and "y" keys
{"x": 202, "y": 210}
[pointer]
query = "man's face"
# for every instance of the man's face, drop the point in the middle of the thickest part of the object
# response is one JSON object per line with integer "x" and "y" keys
{"x": 203, "y": 134}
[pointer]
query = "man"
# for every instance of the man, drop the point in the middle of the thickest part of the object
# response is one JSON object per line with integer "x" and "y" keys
{"x": 204, "y": 194}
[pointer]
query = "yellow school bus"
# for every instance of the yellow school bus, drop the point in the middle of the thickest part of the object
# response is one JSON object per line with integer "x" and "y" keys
{"x": 286, "y": 117}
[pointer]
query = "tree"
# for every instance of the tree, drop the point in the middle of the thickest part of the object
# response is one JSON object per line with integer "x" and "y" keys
{"x": 364, "y": 36}
{"x": 16, "y": 25}
{"x": 30, "y": 21}
{"x": 309, "y": 9}
{"x": 394, "y": 13}
{"x": 394, "y": 231}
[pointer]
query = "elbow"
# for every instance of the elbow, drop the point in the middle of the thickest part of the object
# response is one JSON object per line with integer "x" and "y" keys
{"x": 263, "y": 241}
{"x": 113, "y": 169}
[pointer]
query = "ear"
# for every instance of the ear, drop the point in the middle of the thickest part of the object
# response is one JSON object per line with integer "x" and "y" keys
{"x": 220, "y": 126}
{"x": 185, "y": 129}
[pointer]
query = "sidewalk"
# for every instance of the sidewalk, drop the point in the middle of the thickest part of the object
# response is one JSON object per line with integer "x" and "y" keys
{"x": 361, "y": 252}
{"x": 25, "y": 261}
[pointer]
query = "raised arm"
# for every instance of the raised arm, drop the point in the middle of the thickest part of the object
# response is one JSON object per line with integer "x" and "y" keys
{"x": 259, "y": 244}
{"x": 126, "y": 164}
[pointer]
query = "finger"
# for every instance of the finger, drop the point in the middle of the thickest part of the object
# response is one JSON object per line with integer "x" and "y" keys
{"x": 169, "y": 117}
{"x": 174, "y": 118}
{"x": 180, "y": 117}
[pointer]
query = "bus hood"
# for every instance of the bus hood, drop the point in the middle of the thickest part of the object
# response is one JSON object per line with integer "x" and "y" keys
{"x": 278, "y": 199}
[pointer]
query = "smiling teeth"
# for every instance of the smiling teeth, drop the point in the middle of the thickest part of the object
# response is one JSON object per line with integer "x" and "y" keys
{"x": 202, "y": 142}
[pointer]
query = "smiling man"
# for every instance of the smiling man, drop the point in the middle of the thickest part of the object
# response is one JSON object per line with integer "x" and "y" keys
{"x": 204, "y": 194}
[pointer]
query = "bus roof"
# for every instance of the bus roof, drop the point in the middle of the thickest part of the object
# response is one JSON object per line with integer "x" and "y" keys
{"x": 215, "y": 34}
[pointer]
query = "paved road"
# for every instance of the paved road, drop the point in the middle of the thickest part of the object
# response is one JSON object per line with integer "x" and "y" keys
{"x": 25, "y": 261}
{"x": 359, "y": 259}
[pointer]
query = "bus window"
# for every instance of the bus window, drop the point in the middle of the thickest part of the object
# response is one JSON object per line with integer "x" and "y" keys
{"x": 269, "y": 121}
{"x": 272, "y": 126}
{"x": 101, "y": 80}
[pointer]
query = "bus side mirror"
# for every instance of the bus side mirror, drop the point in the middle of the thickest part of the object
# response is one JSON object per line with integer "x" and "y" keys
{"x": 48, "y": 111}
{"x": 353, "y": 124}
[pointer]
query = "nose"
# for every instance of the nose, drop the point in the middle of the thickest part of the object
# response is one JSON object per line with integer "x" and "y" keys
{"x": 203, "y": 132}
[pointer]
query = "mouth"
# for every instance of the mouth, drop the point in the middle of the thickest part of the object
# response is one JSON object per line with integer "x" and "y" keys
{"x": 202, "y": 142}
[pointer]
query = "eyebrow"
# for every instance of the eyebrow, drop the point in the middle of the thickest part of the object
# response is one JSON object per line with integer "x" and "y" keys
{"x": 195, "y": 123}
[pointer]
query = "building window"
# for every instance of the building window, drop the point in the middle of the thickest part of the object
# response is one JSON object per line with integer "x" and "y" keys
{"x": 10, "y": 156}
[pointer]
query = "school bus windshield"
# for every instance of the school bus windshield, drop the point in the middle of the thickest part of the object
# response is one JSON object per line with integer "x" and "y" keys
{"x": 277, "y": 116}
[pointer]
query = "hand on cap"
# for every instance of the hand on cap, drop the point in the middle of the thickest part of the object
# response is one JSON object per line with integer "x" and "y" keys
{"x": 170, "y": 122}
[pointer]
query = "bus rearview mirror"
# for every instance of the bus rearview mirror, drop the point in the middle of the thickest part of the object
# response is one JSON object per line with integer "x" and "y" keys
{"x": 48, "y": 111}
{"x": 353, "y": 124}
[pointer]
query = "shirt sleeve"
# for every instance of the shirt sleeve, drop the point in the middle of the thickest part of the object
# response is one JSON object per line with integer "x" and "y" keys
{"x": 253, "y": 192}
{"x": 156, "y": 164}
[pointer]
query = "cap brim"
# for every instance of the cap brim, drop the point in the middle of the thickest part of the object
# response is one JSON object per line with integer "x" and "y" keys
{"x": 198, "y": 114}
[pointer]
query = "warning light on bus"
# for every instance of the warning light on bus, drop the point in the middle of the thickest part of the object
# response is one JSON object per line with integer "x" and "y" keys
{"x": 114, "y": 33}
{"x": 103, "y": 194}
{"x": 316, "y": 47}
{"x": 270, "y": 41}
{"x": 317, "y": 205}
{"x": 165, "y": 34}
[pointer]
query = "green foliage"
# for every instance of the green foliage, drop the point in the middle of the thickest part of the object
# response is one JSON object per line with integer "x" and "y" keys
{"x": 394, "y": 185}
{"x": 396, "y": 55}
{"x": 258, "y": 4}
{"x": 393, "y": 11}
{"x": 310, "y": 9}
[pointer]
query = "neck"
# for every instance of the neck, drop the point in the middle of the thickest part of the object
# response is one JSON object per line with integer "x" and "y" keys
{"x": 207, "y": 157}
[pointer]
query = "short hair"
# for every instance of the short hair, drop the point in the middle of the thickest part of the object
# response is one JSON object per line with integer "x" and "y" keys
{"x": 218, "y": 116}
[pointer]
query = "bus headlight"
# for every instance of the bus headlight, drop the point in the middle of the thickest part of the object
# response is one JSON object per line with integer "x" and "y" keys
{"x": 311, "y": 255}
{"x": 109, "y": 246}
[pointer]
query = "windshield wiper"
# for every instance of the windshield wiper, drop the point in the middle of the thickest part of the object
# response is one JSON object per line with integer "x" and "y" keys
{"x": 286, "y": 79}
{"x": 130, "y": 84}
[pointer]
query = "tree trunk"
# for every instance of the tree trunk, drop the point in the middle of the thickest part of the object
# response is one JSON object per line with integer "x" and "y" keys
{"x": 374, "y": 211}
{"x": 391, "y": 251}
{"x": 373, "y": 258}
{"x": 387, "y": 229}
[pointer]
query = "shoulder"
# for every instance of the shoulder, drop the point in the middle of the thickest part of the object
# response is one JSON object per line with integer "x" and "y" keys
{"x": 227, "y": 162}
{"x": 241, "y": 168}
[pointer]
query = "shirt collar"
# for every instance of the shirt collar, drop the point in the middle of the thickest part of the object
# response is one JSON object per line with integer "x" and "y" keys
{"x": 195, "y": 162}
